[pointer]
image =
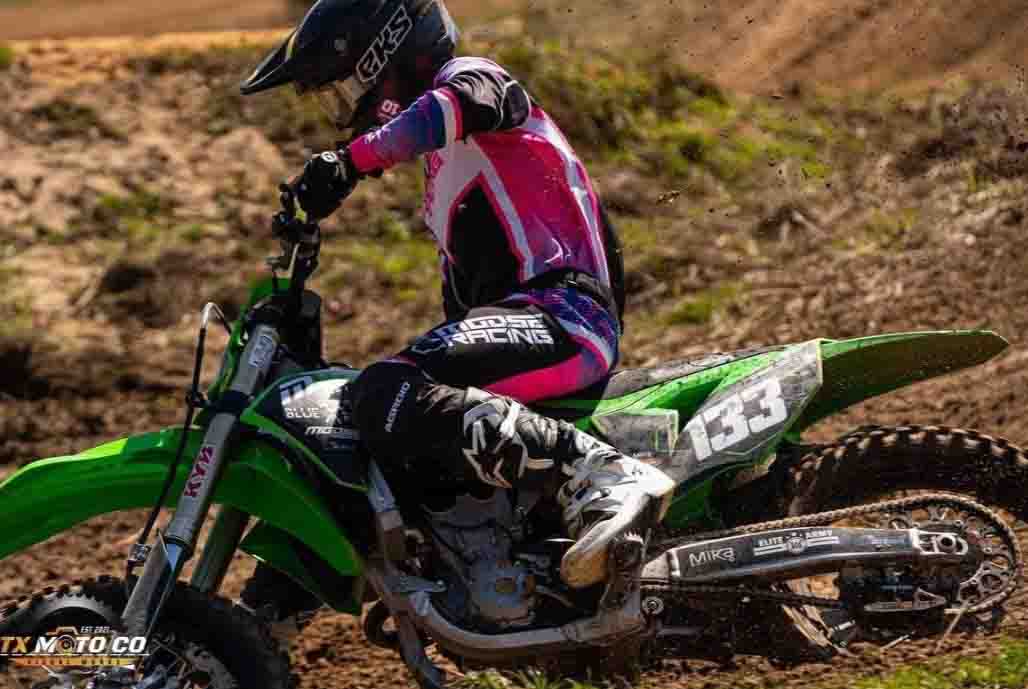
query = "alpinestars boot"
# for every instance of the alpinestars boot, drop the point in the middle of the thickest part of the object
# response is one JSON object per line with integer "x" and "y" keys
{"x": 502, "y": 440}
{"x": 607, "y": 492}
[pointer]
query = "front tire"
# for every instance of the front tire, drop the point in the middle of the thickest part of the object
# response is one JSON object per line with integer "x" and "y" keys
{"x": 220, "y": 645}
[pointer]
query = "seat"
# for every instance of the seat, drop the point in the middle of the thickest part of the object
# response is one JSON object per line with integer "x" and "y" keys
{"x": 625, "y": 382}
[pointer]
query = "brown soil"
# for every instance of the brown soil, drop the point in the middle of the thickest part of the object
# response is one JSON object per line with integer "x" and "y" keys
{"x": 765, "y": 45}
{"x": 924, "y": 227}
{"x": 761, "y": 45}
{"x": 57, "y": 19}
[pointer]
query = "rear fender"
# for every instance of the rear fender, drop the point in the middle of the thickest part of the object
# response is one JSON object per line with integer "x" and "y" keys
{"x": 52, "y": 495}
{"x": 859, "y": 369}
{"x": 852, "y": 371}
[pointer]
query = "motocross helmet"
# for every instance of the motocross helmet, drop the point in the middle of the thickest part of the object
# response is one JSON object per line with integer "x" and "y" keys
{"x": 363, "y": 60}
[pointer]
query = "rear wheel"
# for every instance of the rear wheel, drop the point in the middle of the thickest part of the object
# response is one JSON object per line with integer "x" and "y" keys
{"x": 205, "y": 641}
{"x": 874, "y": 463}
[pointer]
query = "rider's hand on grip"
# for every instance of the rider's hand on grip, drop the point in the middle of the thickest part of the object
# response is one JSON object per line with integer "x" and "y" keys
{"x": 327, "y": 179}
{"x": 283, "y": 223}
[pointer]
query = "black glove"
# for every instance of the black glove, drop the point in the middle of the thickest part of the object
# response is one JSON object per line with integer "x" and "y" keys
{"x": 327, "y": 179}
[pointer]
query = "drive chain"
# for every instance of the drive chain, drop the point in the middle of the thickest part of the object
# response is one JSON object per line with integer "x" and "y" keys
{"x": 659, "y": 586}
{"x": 831, "y": 517}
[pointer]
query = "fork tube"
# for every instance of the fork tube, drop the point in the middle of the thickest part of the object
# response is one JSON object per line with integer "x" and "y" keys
{"x": 177, "y": 543}
{"x": 198, "y": 492}
{"x": 218, "y": 550}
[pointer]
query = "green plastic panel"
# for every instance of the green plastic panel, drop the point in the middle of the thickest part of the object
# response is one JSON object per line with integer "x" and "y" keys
{"x": 51, "y": 495}
{"x": 853, "y": 371}
{"x": 859, "y": 369}
{"x": 271, "y": 545}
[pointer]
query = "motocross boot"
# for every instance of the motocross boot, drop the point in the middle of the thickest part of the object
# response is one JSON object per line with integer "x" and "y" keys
{"x": 606, "y": 492}
{"x": 606, "y": 495}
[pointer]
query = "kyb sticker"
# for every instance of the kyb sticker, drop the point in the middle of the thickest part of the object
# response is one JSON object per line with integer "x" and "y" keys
{"x": 707, "y": 557}
{"x": 263, "y": 349}
{"x": 201, "y": 467}
{"x": 385, "y": 44}
{"x": 486, "y": 330}
{"x": 794, "y": 544}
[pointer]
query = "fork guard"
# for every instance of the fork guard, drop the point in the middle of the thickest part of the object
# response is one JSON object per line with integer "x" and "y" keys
{"x": 808, "y": 551}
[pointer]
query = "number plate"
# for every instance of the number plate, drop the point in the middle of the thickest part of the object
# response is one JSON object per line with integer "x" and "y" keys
{"x": 738, "y": 424}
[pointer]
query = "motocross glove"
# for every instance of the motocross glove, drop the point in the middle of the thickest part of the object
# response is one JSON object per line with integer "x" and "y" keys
{"x": 327, "y": 179}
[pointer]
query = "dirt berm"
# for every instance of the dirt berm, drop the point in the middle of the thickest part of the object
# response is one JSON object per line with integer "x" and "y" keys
{"x": 756, "y": 45}
{"x": 136, "y": 185}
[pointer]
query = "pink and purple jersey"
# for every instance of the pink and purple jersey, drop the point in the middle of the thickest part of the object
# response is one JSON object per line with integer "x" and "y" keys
{"x": 506, "y": 197}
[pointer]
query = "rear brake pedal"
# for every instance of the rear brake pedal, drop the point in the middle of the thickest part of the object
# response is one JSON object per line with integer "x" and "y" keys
{"x": 624, "y": 565}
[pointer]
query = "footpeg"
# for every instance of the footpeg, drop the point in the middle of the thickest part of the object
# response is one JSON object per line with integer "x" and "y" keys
{"x": 905, "y": 614}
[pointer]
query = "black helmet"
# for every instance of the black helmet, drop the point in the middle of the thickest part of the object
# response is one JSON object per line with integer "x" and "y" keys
{"x": 353, "y": 54}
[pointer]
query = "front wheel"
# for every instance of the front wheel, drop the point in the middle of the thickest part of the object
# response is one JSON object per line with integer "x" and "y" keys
{"x": 201, "y": 640}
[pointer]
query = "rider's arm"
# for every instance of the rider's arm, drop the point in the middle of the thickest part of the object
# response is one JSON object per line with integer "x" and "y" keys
{"x": 471, "y": 96}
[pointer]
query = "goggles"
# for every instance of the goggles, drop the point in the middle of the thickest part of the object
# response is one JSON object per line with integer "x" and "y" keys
{"x": 338, "y": 99}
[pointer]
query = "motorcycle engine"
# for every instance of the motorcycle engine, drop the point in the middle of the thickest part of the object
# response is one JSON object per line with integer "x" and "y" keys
{"x": 486, "y": 588}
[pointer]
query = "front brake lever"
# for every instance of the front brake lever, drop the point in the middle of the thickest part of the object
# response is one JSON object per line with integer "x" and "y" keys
{"x": 287, "y": 197}
{"x": 283, "y": 229}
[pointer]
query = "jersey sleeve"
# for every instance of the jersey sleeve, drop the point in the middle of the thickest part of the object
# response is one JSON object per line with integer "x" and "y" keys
{"x": 490, "y": 98}
{"x": 470, "y": 95}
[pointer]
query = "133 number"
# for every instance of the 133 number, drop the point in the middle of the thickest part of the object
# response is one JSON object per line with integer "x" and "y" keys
{"x": 735, "y": 425}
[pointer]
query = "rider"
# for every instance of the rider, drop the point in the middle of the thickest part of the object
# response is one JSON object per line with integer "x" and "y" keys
{"x": 532, "y": 272}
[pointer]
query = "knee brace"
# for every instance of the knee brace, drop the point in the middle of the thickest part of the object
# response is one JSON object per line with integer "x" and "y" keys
{"x": 385, "y": 407}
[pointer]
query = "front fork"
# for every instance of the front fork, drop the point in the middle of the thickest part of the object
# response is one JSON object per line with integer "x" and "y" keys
{"x": 221, "y": 545}
{"x": 176, "y": 545}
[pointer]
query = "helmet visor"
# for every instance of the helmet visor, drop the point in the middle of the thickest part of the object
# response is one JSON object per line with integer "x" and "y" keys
{"x": 339, "y": 100}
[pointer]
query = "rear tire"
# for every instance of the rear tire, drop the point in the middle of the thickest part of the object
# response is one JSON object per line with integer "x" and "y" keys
{"x": 874, "y": 461}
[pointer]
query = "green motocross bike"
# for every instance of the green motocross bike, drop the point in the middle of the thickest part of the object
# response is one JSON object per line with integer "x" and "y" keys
{"x": 771, "y": 546}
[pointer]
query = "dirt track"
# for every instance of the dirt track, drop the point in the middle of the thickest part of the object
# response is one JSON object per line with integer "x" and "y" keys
{"x": 926, "y": 229}
{"x": 756, "y": 45}
{"x": 58, "y": 19}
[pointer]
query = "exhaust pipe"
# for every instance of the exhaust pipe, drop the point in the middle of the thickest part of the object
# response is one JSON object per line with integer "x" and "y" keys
{"x": 411, "y": 598}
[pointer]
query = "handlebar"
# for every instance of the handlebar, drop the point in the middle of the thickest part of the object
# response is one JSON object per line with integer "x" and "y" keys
{"x": 301, "y": 244}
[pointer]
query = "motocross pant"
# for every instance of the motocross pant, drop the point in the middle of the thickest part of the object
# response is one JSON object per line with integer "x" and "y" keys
{"x": 533, "y": 345}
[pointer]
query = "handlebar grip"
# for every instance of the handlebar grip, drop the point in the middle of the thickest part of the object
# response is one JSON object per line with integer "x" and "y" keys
{"x": 287, "y": 197}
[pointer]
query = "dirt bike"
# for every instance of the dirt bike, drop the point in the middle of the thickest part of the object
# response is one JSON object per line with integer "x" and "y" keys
{"x": 771, "y": 546}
